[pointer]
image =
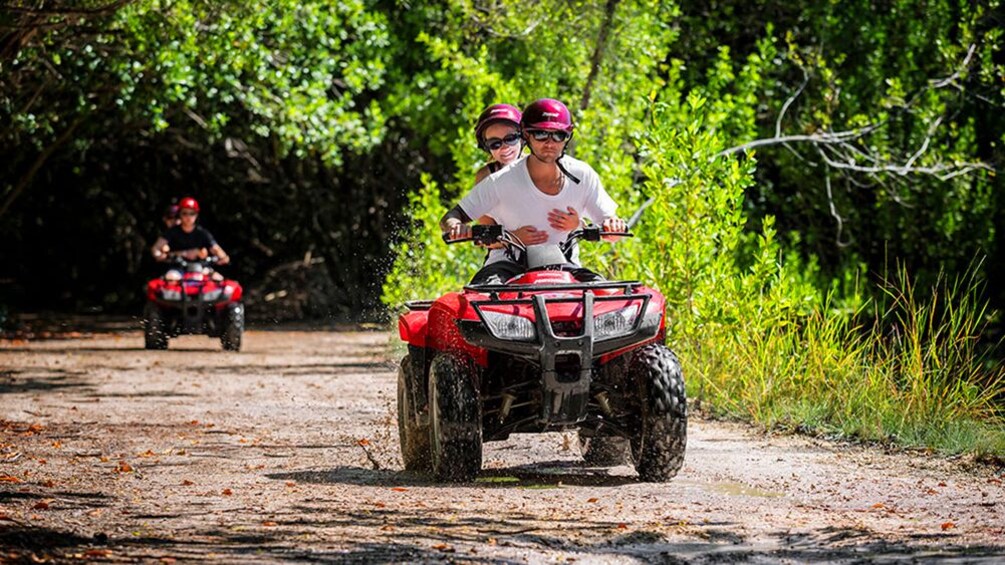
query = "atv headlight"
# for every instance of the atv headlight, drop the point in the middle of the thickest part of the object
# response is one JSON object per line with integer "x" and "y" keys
{"x": 211, "y": 295}
{"x": 170, "y": 294}
{"x": 173, "y": 275}
{"x": 507, "y": 326}
{"x": 616, "y": 323}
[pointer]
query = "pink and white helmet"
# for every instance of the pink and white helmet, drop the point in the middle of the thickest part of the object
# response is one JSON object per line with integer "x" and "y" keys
{"x": 496, "y": 113}
{"x": 547, "y": 113}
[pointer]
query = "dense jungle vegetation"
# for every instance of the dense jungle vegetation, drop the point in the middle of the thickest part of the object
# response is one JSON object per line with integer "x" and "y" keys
{"x": 823, "y": 176}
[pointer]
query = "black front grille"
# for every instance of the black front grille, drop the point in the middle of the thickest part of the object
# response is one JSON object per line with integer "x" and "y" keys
{"x": 567, "y": 329}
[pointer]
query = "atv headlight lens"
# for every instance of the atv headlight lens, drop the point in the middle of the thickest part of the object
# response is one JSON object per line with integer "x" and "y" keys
{"x": 211, "y": 295}
{"x": 170, "y": 294}
{"x": 616, "y": 323}
{"x": 173, "y": 275}
{"x": 507, "y": 326}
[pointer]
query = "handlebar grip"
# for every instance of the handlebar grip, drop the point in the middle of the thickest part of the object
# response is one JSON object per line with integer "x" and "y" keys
{"x": 448, "y": 241}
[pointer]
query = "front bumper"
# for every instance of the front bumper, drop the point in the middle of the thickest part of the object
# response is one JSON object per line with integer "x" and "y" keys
{"x": 565, "y": 392}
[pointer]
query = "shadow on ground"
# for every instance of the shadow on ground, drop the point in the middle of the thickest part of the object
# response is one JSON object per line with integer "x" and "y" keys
{"x": 427, "y": 535}
{"x": 535, "y": 475}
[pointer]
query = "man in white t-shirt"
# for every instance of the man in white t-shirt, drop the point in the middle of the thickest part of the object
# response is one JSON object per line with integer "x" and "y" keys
{"x": 540, "y": 198}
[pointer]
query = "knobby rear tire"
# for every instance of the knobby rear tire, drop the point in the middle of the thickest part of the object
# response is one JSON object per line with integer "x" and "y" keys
{"x": 412, "y": 434}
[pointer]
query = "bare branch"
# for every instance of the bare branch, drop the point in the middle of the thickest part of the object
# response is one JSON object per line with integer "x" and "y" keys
{"x": 834, "y": 213}
{"x": 817, "y": 138}
{"x": 598, "y": 52}
{"x": 785, "y": 107}
{"x": 951, "y": 79}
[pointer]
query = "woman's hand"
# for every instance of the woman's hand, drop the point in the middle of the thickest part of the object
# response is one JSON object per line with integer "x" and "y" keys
{"x": 529, "y": 235}
{"x": 564, "y": 221}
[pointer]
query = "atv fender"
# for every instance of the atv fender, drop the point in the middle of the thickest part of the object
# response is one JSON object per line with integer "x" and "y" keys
{"x": 412, "y": 327}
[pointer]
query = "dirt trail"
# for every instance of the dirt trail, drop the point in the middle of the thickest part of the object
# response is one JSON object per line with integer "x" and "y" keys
{"x": 288, "y": 452}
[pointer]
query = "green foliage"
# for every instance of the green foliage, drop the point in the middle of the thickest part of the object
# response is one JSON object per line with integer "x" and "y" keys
{"x": 295, "y": 72}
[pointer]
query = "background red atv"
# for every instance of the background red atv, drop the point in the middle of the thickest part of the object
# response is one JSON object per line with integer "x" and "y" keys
{"x": 542, "y": 352}
{"x": 192, "y": 298}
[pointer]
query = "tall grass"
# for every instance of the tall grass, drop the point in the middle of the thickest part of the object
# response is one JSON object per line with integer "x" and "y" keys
{"x": 911, "y": 371}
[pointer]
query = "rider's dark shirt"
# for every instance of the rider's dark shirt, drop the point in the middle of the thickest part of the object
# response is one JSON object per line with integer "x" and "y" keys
{"x": 179, "y": 240}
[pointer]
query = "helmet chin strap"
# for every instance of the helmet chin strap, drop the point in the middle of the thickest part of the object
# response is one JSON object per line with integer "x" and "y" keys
{"x": 564, "y": 170}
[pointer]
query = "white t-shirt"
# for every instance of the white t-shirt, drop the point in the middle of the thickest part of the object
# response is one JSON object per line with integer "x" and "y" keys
{"x": 509, "y": 196}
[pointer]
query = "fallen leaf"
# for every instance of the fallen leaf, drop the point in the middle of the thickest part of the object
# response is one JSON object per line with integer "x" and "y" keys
{"x": 227, "y": 492}
{"x": 146, "y": 453}
{"x": 291, "y": 483}
{"x": 96, "y": 512}
{"x": 98, "y": 552}
{"x": 44, "y": 505}
{"x": 879, "y": 505}
{"x": 444, "y": 548}
{"x": 9, "y": 479}
{"x": 194, "y": 423}
{"x": 168, "y": 559}
{"x": 364, "y": 442}
{"x": 187, "y": 483}
{"x": 948, "y": 526}
{"x": 49, "y": 483}
{"x": 57, "y": 444}
{"x": 123, "y": 467}
{"x": 399, "y": 489}
{"x": 622, "y": 526}
{"x": 942, "y": 484}
{"x": 269, "y": 523}
{"x": 593, "y": 499}
{"x": 380, "y": 505}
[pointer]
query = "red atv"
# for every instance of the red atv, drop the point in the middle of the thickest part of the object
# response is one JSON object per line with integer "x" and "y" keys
{"x": 541, "y": 352}
{"x": 192, "y": 298}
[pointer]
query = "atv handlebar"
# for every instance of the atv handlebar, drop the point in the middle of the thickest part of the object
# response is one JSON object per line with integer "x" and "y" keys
{"x": 187, "y": 264}
{"x": 480, "y": 233}
{"x": 489, "y": 234}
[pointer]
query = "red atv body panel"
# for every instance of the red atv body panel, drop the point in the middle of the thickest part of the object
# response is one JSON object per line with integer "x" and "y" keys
{"x": 435, "y": 325}
{"x": 192, "y": 285}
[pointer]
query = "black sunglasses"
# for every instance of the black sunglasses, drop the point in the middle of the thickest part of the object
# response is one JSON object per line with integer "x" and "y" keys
{"x": 495, "y": 143}
{"x": 189, "y": 213}
{"x": 542, "y": 135}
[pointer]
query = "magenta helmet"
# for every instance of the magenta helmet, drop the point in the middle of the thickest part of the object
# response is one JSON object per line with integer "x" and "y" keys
{"x": 496, "y": 113}
{"x": 547, "y": 113}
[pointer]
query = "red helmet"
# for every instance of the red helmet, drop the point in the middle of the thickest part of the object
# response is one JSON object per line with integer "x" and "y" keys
{"x": 496, "y": 113}
{"x": 189, "y": 203}
{"x": 547, "y": 113}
